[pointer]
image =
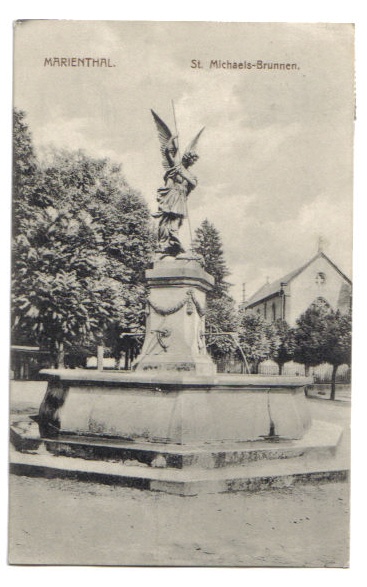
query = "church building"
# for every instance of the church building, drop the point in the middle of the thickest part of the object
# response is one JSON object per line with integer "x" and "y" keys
{"x": 288, "y": 297}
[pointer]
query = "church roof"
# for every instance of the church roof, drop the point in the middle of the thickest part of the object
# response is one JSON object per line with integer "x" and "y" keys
{"x": 272, "y": 289}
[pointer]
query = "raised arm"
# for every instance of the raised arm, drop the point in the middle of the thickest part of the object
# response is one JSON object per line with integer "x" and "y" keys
{"x": 191, "y": 179}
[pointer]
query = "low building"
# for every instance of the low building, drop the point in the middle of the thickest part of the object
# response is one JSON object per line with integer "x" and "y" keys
{"x": 26, "y": 361}
{"x": 288, "y": 297}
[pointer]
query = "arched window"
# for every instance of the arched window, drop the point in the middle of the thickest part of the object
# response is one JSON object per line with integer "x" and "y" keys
{"x": 320, "y": 278}
{"x": 320, "y": 302}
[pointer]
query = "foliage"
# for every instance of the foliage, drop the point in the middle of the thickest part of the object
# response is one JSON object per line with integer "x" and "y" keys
{"x": 26, "y": 173}
{"x": 209, "y": 246}
{"x": 282, "y": 343}
{"x": 80, "y": 248}
{"x": 59, "y": 290}
{"x": 254, "y": 338}
{"x": 220, "y": 315}
{"x": 323, "y": 335}
{"x": 310, "y": 335}
{"x": 338, "y": 338}
{"x": 220, "y": 318}
{"x": 338, "y": 343}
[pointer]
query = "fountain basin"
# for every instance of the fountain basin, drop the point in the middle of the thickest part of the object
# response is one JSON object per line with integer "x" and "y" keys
{"x": 174, "y": 408}
{"x": 177, "y": 433}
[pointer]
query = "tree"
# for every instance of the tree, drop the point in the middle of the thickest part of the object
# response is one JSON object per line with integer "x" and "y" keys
{"x": 209, "y": 246}
{"x": 282, "y": 343}
{"x": 126, "y": 233}
{"x": 310, "y": 335}
{"x": 338, "y": 343}
{"x": 323, "y": 336}
{"x": 220, "y": 318}
{"x": 254, "y": 339}
{"x": 123, "y": 335}
{"x": 81, "y": 244}
{"x": 220, "y": 315}
{"x": 60, "y": 291}
{"x": 98, "y": 187}
{"x": 26, "y": 173}
{"x": 26, "y": 188}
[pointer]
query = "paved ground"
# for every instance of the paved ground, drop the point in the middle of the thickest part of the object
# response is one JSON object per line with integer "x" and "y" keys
{"x": 69, "y": 522}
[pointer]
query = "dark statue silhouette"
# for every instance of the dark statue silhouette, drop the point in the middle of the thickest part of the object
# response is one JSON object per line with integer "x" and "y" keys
{"x": 178, "y": 183}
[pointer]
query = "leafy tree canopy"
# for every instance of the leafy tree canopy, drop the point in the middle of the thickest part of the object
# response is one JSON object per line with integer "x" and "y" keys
{"x": 81, "y": 244}
{"x": 310, "y": 334}
{"x": 254, "y": 338}
{"x": 26, "y": 172}
{"x": 338, "y": 338}
{"x": 338, "y": 343}
{"x": 282, "y": 343}
{"x": 323, "y": 336}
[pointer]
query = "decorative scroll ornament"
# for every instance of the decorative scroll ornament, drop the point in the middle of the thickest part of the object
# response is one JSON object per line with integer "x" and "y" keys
{"x": 161, "y": 335}
{"x": 189, "y": 301}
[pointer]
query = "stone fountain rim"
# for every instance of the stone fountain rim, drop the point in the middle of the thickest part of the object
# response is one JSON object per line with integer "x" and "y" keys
{"x": 122, "y": 378}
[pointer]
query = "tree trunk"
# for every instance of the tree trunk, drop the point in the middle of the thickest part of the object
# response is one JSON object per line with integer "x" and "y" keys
{"x": 333, "y": 380}
{"x": 60, "y": 355}
{"x": 307, "y": 370}
{"x": 131, "y": 356}
{"x": 280, "y": 368}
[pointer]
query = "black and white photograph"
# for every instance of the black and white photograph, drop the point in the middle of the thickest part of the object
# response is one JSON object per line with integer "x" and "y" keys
{"x": 181, "y": 293}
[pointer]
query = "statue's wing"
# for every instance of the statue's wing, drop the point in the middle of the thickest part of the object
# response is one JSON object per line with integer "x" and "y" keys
{"x": 165, "y": 139}
{"x": 191, "y": 147}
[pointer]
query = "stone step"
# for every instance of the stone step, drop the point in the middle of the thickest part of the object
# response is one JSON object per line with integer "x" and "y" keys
{"x": 204, "y": 469}
{"x": 321, "y": 439}
{"x": 255, "y": 476}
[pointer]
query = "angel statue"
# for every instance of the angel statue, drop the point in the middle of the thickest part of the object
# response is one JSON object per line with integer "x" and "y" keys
{"x": 178, "y": 183}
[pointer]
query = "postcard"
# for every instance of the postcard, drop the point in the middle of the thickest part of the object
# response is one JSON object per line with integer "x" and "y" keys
{"x": 181, "y": 294}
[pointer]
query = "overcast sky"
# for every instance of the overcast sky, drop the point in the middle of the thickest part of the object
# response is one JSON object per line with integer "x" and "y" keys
{"x": 275, "y": 167}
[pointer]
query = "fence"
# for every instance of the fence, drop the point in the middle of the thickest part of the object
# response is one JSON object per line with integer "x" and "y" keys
{"x": 321, "y": 373}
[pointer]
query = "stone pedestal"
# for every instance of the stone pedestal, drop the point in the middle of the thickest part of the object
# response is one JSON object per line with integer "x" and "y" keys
{"x": 175, "y": 340}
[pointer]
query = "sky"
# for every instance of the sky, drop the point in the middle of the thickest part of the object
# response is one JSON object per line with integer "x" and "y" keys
{"x": 276, "y": 158}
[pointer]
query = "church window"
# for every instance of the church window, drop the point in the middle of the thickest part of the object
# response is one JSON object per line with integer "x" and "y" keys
{"x": 320, "y": 278}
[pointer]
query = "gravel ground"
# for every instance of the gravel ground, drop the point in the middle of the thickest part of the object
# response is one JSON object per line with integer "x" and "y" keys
{"x": 70, "y": 522}
{"x": 323, "y": 390}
